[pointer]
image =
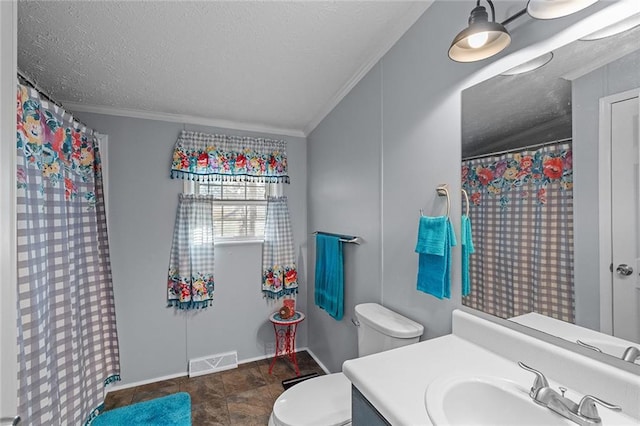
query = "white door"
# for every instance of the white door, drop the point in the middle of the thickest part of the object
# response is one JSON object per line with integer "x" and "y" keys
{"x": 625, "y": 214}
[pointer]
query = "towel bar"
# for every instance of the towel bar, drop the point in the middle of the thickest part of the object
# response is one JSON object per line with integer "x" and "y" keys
{"x": 344, "y": 239}
{"x": 466, "y": 199}
{"x": 443, "y": 191}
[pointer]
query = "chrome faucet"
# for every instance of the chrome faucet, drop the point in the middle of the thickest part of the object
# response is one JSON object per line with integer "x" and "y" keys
{"x": 631, "y": 354}
{"x": 584, "y": 413}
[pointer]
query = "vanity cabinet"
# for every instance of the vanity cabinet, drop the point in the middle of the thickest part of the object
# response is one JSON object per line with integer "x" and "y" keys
{"x": 363, "y": 413}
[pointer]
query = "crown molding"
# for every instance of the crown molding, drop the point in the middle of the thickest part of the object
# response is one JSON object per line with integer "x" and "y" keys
{"x": 180, "y": 118}
{"x": 397, "y": 31}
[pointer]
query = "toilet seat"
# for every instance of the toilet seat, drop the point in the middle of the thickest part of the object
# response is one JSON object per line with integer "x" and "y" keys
{"x": 321, "y": 401}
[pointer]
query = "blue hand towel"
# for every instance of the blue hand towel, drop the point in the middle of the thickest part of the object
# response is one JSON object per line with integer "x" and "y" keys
{"x": 467, "y": 249}
{"x": 329, "y": 289}
{"x": 435, "y": 239}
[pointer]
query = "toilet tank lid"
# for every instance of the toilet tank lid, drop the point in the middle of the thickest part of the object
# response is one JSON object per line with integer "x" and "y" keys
{"x": 387, "y": 321}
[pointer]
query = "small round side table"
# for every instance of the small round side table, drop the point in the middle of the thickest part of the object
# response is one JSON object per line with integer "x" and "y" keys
{"x": 285, "y": 330}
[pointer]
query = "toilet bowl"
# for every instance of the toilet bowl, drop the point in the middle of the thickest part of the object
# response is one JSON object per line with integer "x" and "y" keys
{"x": 326, "y": 400}
{"x": 321, "y": 401}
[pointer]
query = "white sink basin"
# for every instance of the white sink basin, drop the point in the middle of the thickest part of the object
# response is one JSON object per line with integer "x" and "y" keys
{"x": 485, "y": 401}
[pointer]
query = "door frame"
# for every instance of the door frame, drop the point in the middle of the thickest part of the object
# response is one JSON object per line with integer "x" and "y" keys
{"x": 8, "y": 285}
{"x": 605, "y": 204}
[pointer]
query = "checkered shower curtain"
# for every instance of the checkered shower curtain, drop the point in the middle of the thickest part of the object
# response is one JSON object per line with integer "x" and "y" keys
{"x": 521, "y": 210}
{"x": 67, "y": 338}
{"x": 279, "y": 272}
{"x": 190, "y": 283}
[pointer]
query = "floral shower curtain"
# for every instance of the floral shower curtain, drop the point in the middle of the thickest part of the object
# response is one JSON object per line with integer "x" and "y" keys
{"x": 522, "y": 216}
{"x": 279, "y": 272}
{"x": 67, "y": 336}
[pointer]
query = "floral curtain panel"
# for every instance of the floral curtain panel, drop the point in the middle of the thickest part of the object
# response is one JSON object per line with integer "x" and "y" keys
{"x": 206, "y": 158}
{"x": 279, "y": 272}
{"x": 522, "y": 214}
{"x": 191, "y": 283}
{"x": 67, "y": 334}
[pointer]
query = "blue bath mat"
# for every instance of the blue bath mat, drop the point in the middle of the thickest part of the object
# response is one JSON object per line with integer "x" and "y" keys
{"x": 172, "y": 410}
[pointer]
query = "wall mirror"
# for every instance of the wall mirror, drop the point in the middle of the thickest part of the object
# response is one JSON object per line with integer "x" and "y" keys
{"x": 550, "y": 183}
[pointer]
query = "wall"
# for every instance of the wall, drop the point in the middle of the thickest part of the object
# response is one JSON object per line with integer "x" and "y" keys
{"x": 616, "y": 77}
{"x": 156, "y": 341}
{"x": 414, "y": 141}
{"x": 344, "y": 195}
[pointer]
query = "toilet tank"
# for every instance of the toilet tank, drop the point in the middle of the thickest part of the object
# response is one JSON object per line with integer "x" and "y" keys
{"x": 382, "y": 329}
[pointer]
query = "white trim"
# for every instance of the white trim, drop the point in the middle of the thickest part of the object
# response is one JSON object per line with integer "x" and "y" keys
{"x": 224, "y": 242}
{"x": 401, "y": 27}
{"x": 114, "y": 387}
{"x": 181, "y": 118}
{"x": 605, "y": 206}
{"x": 315, "y": 358}
{"x": 8, "y": 314}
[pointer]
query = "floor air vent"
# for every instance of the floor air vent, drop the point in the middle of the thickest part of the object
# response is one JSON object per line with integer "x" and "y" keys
{"x": 213, "y": 363}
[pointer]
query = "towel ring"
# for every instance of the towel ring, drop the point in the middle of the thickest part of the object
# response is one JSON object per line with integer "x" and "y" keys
{"x": 443, "y": 191}
{"x": 466, "y": 199}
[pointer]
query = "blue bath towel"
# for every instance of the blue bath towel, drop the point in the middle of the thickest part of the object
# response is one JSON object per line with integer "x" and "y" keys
{"x": 329, "y": 289}
{"x": 435, "y": 239}
{"x": 467, "y": 248}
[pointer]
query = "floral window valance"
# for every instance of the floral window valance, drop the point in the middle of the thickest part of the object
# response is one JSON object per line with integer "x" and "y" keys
{"x": 519, "y": 175}
{"x": 212, "y": 158}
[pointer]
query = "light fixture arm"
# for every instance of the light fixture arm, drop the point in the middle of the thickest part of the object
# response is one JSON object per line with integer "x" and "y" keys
{"x": 514, "y": 16}
{"x": 493, "y": 10}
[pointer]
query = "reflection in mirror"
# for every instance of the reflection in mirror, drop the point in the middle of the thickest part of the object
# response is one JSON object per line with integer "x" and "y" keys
{"x": 534, "y": 223}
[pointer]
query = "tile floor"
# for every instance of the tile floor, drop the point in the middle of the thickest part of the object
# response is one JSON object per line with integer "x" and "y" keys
{"x": 242, "y": 396}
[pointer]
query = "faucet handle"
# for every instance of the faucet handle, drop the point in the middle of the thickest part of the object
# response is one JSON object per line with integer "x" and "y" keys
{"x": 587, "y": 407}
{"x": 631, "y": 354}
{"x": 588, "y": 346}
{"x": 539, "y": 382}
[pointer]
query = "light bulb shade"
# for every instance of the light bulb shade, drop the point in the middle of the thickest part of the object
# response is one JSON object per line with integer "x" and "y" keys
{"x": 497, "y": 39}
{"x": 551, "y": 9}
{"x": 531, "y": 65}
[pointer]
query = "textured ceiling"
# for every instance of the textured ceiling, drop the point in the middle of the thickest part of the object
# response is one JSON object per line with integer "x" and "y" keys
{"x": 279, "y": 65}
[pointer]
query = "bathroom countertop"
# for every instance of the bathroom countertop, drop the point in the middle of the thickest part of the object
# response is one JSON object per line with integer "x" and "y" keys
{"x": 395, "y": 381}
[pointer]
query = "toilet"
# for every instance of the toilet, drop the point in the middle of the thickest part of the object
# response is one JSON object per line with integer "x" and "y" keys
{"x": 326, "y": 400}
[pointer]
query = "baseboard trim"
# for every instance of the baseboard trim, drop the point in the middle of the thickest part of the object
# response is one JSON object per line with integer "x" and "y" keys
{"x": 117, "y": 387}
{"x": 315, "y": 358}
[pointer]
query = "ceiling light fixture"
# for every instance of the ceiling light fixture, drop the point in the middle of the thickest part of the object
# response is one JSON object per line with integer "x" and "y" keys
{"x": 481, "y": 39}
{"x": 551, "y": 9}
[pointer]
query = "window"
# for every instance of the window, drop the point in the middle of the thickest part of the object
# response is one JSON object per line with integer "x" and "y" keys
{"x": 240, "y": 210}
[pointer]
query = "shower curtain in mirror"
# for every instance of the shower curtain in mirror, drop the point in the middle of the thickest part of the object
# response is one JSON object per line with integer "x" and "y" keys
{"x": 521, "y": 211}
{"x": 67, "y": 339}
